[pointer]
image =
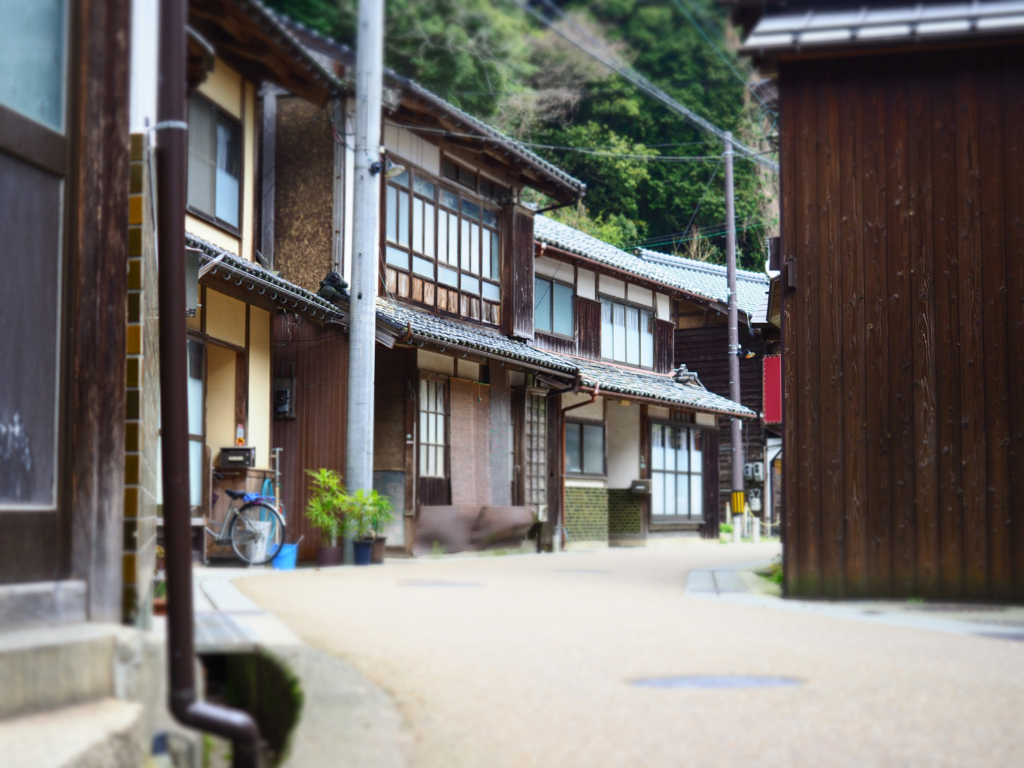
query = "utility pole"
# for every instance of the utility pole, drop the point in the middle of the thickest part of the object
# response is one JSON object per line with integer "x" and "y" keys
{"x": 365, "y": 233}
{"x": 738, "y": 496}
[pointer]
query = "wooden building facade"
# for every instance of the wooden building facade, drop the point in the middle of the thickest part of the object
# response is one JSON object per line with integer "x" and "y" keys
{"x": 903, "y": 308}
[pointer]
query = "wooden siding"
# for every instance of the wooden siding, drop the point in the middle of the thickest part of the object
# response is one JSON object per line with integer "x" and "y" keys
{"x": 706, "y": 352}
{"x": 664, "y": 346}
{"x": 903, "y": 218}
{"x": 554, "y": 343}
{"x": 318, "y": 358}
{"x": 709, "y": 455}
{"x": 517, "y": 272}
{"x": 588, "y": 328}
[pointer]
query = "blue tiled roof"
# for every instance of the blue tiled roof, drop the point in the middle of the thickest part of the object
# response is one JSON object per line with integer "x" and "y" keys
{"x": 697, "y": 278}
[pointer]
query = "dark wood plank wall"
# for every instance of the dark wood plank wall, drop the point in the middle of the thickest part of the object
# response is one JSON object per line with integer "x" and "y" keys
{"x": 664, "y": 346}
{"x": 903, "y": 219}
{"x": 709, "y": 456}
{"x": 318, "y": 358}
{"x": 554, "y": 343}
{"x": 588, "y": 328}
{"x": 705, "y": 351}
{"x": 517, "y": 272}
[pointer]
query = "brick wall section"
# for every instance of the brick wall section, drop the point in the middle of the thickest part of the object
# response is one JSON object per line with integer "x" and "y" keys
{"x": 586, "y": 514}
{"x": 143, "y": 397}
{"x": 624, "y": 512}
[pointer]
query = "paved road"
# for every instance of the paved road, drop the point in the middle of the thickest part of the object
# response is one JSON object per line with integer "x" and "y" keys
{"x": 527, "y": 661}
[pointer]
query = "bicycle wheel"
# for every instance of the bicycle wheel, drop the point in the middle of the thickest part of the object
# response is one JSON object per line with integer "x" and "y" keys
{"x": 257, "y": 533}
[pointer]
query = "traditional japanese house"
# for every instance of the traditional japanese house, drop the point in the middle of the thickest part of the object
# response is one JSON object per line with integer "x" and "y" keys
{"x": 702, "y": 342}
{"x": 640, "y": 439}
{"x": 902, "y": 294}
{"x": 235, "y": 49}
{"x": 456, "y": 272}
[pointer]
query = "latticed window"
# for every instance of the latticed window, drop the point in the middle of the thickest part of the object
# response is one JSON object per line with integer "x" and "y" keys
{"x": 676, "y": 480}
{"x": 443, "y": 247}
{"x": 432, "y": 428}
{"x": 535, "y": 447}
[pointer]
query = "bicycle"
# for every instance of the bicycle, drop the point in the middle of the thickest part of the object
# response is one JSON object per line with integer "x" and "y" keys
{"x": 254, "y": 529}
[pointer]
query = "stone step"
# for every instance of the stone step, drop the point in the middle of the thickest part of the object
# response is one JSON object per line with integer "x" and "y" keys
{"x": 48, "y": 668}
{"x": 105, "y": 733}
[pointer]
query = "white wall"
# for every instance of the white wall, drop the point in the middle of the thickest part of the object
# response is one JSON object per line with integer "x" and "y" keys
{"x": 593, "y": 411}
{"x": 145, "y": 48}
{"x": 612, "y": 287}
{"x": 623, "y": 439}
{"x": 547, "y": 267}
{"x": 586, "y": 284}
{"x": 639, "y": 295}
{"x": 664, "y": 307}
{"x": 408, "y": 146}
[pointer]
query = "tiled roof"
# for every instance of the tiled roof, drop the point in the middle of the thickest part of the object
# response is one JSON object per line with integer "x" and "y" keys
{"x": 655, "y": 386}
{"x": 456, "y": 333}
{"x": 288, "y": 295}
{"x": 879, "y": 23}
{"x": 471, "y": 124}
{"x": 697, "y": 278}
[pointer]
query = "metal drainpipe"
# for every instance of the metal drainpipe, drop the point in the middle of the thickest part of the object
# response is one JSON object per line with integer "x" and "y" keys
{"x": 593, "y": 398}
{"x": 171, "y": 158}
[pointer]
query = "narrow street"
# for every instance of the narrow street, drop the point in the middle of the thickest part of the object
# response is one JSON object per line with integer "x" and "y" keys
{"x": 530, "y": 660}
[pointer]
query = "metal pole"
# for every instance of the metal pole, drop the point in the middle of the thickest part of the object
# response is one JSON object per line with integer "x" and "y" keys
{"x": 171, "y": 158}
{"x": 365, "y": 233}
{"x": 738, "y": 497}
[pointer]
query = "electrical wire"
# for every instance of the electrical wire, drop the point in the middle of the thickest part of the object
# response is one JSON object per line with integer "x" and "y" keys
{"x": 644, "y": 85}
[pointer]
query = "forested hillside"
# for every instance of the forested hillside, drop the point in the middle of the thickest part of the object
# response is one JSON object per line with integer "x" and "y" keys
{"x": 652, "y": 179}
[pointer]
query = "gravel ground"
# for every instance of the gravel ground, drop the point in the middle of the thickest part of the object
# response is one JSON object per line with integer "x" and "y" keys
{"x": 528, "y": 661}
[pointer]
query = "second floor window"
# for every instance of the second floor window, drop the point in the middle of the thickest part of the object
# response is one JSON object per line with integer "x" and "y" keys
{"x": 443, "y": 247}
{"x": 214, "y": 162}
{"x": 553, "y": 307}
{"x": 627, "y": 333}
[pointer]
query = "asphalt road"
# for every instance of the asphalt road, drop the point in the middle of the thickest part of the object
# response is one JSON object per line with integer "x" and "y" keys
{"x": 531, "y": 661}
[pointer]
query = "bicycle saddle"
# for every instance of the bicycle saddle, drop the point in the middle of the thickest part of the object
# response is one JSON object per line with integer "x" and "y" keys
{"x": 235, "y": 494}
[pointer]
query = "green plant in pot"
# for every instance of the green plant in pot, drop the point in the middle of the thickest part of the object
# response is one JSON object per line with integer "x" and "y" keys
{"x": 381, "y": 517}
{"x": 365, "y": 512}
{"x": 325, "y": 512}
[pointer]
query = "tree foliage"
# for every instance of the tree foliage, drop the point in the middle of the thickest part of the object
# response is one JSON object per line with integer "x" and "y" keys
{"x": 492, "y": 60}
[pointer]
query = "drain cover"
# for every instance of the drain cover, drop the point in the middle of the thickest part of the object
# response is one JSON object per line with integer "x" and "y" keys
{"x": 716, "y": 681}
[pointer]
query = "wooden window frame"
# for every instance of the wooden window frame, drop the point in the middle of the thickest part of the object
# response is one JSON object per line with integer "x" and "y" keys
{"x": 212, "y": 218}
{"x": 654, "y": 318}
{"x": 603, "y": 474}
{"x": 486, "y": 306}
{"x": 438, "y": 378}
{"x": 690, "y": 427}
{"x": 552, "y": 332}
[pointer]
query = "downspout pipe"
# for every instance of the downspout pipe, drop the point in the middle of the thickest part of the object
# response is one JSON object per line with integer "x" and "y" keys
{"x": 593, "y": 399}
{"x": 171, "y": 158}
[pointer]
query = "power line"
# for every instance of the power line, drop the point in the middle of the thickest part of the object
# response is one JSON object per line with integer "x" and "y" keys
{"x": 644, "y": 85}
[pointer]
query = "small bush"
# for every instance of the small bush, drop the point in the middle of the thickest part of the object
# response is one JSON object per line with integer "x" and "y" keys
{"x": 725, "y": 528}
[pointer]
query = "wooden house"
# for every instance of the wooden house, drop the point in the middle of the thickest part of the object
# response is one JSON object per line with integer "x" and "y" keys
{"x": 468, "y": 432}
{"x": 902, "y": 294}
{"x": 702, "y": 342}
{"x": 614, "y": 315}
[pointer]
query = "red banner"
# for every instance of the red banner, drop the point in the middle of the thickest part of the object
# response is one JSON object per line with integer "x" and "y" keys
{"x": 772, "y": 389}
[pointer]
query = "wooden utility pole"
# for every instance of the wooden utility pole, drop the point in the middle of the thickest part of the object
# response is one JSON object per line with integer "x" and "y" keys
{"x": 738, "y": 496}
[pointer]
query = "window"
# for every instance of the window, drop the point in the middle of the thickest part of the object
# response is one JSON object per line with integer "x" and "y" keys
{"x": 432, "y": 428}
{"x": 627, "y": 333}
{"x": 553, "y": 307}
{"x": 442, "y": 248}
{"x": 459, "y": 174}
{"x": 535, "y": 450}
{"x": 584, "y": 448}
{"x": 214, "y": 162}
{"x": 676, "y": 479}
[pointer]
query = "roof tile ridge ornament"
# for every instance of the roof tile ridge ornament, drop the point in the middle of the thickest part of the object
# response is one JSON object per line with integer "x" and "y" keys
{"x": 683, "y": 375}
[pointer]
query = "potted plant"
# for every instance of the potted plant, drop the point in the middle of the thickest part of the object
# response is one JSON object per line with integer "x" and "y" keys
{"x": 325, "y": 512}
{"x": 381, "y": 517}
{"x": 361, "y": 509}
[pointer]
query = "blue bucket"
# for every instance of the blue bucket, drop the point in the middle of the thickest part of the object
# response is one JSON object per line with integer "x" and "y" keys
{"x": 285, "y": 559}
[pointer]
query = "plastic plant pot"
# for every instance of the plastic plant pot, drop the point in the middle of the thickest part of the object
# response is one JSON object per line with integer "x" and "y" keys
{"x": 363, "y": 552}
